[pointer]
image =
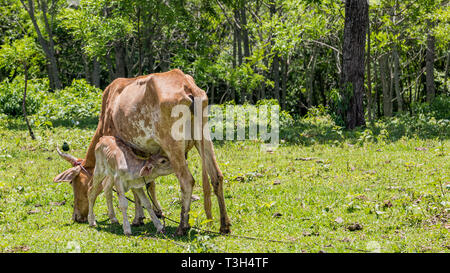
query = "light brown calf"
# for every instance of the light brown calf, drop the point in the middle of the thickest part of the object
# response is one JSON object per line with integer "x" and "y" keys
{"x": 126, "y": 171}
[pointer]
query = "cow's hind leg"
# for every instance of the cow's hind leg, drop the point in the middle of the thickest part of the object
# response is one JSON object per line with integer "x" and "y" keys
{"x": 216, "y": 176}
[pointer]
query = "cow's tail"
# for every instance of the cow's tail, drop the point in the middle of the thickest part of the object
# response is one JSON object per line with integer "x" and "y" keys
{"x": 200, "y": 145}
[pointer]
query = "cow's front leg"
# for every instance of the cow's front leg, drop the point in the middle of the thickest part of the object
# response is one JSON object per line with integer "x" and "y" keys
{"x": 175, "y": 152}
{"x": 186, "y": 184}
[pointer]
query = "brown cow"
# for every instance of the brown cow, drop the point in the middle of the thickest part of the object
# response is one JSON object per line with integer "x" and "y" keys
{"x": 139, "y": 111}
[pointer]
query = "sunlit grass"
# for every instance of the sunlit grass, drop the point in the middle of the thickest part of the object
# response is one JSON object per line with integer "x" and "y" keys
{"x": 306, "y": 195}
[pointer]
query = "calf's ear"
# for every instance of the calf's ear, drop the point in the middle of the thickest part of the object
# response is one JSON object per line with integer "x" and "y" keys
{"x": 146, "y": 170}
{"x": 68, "y": 175}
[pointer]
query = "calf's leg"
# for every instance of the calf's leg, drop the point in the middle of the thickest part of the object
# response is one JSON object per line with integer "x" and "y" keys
{"x": 123, "y": 205}
{"x": 93, "y": 192}
{"x": 139, "y": 212}
{"x": 156, "y": 206}
{"x": 141, "y": 194}
{"x": 107, "y": 188}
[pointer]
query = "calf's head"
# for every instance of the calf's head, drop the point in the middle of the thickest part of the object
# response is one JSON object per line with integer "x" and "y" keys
{"x": 157, "y": 165}
{"x": 79, "y": 177}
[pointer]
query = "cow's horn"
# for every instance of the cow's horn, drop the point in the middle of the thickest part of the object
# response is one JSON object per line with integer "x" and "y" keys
{"x": 67, "y": 157}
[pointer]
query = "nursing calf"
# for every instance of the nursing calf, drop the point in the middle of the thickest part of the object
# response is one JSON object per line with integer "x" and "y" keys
{"x": 122, "y": 169}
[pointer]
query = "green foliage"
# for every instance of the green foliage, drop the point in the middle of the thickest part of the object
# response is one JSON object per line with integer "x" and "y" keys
{"x": 75, "y": 104}
{"x": 17, "y": 53}
{"x": 11, "y": 96}
{"x": 439, "y": 108}
{"x": 247, "y": 115}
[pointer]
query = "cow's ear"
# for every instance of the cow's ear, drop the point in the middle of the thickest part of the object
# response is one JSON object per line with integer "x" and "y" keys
{"x": 68, "y": 175}
{"x": 146, "y": 170}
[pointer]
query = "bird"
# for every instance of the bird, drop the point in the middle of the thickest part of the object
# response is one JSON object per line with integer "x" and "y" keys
{"x": 65, "y": 147}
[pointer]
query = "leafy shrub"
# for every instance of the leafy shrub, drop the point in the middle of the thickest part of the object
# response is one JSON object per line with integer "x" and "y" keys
{"x": 317, "y": 126}
{"x": 439, "y": 108}
{"x": 11, "y": 96}
{"x": 246, "y": 116}
{"x": 78, "y": 102}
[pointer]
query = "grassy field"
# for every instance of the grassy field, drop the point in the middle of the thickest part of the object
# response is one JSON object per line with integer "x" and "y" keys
{"x": 339, "y": 197}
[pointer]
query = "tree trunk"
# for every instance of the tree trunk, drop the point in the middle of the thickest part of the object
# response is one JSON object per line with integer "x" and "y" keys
{"x": 245, "y": 32}
{"x": 139, "y": 40}
{"x": 352, "y": 80}
{"x": 310, "y": 96}
{"x": 238, "y": 37}
{"x": 110, "y": 67}
{"x": 47, "y": 45}
{"x": 396, "y": 70}
{"x": 87, "y": 73}
{"x": 276, "y": 77}
{"x": 95, "y": 72}
{"x": 24, "y": 107}
{"x": 377, "y": 91}
{"x": 446, "y": 73}
{"x": 211, "y": 96}
{"x": 386, "y": 85}
{"x": 235, "y": 40}
{"x": 431, "y": 89}
{"x": 369, "y": 76}
{"x": 120, "y": 55}
{"x": 284, "y": 82}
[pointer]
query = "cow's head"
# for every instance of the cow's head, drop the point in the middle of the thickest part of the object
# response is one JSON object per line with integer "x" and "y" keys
{"x": 79, "y": 177}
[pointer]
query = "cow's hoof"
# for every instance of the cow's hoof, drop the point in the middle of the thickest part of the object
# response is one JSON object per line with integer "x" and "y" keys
{"x": 138, "y": 222}
{"x": 181, "y": 231}
{"x": 225, "y": 230}
{"x": 225, "y": 227}
{"x": 162, "y": 230}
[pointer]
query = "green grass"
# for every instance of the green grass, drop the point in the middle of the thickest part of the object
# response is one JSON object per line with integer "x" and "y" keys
{"x": 400, "y": 196}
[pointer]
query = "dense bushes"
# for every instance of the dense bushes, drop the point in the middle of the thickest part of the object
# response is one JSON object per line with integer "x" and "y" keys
{"x": 11, "y": 96}
{"x": 80, "y": 103}
{"x": 75, "y": 104}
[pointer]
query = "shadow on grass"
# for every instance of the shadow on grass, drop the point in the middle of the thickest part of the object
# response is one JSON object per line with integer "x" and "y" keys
{"x": 312, "y": 130}
{"x": 148, "y": 230}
